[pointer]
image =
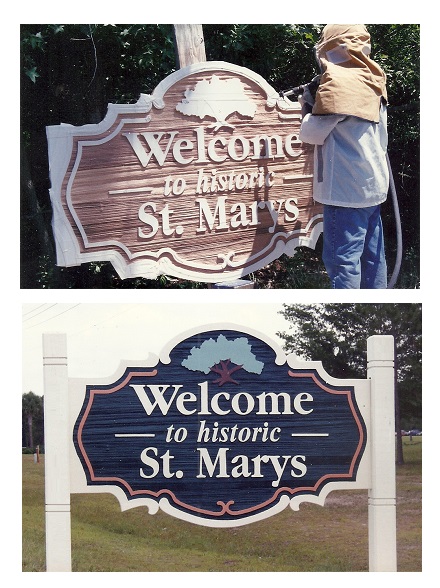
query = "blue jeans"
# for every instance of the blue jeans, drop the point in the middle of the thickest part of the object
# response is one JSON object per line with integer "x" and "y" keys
{"x": 353, "y": 252}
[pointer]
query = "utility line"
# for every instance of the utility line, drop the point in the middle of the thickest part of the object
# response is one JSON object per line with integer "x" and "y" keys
{"x": 103, "y": 320}
{"x": 41, "y": 311}
{"x": 57, "y": 315}
{"x": 34, "y": 309}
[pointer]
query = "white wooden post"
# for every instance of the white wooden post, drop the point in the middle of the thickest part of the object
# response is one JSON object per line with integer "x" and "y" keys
{"x": 382, "y": 494}
{"x": 57, "y": 477}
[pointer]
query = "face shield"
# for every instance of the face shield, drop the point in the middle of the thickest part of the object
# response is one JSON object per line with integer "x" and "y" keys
{"x": 341, "y": 44}
{"x": 351, "y": 82}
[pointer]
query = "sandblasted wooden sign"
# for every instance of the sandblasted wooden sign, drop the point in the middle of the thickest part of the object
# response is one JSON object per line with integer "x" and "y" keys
{"x": 221, "y": 430}
{"x": 205, "y": 179}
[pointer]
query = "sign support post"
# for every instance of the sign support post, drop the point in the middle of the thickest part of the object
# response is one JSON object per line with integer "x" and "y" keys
{"x": 382, "y": 494}
{"x": 57, "y": 459}
{"x": 190, "y": 49}
{"x": 190, "y": 44}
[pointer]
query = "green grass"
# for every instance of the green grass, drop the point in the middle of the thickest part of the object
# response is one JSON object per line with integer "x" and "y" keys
{"x": 318, "y": 539}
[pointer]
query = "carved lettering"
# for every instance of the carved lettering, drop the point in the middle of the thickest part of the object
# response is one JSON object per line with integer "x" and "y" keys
{"x": 155, "y": 146}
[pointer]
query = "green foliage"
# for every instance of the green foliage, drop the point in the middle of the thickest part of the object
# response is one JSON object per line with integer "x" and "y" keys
{"x": 397, "y": 49}
{"x": 336, "y": 334}
{"x": 282, "y": 54}
{"x": 71, "y": 72}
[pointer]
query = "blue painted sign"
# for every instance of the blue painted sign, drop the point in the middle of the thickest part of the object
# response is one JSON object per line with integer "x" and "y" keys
{"x": 220, "y": 429}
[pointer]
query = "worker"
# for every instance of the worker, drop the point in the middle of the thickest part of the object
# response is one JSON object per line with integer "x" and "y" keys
{"x": 347, "y": 122}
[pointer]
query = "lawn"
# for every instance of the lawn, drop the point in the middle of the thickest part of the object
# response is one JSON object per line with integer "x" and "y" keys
{"x": 333, "y": 538}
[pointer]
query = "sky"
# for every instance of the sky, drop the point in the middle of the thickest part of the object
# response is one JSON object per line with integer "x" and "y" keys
{"x": 102, "y": 335}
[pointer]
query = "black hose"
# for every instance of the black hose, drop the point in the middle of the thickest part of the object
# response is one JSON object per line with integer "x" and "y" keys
{"x": 398, "y": 261}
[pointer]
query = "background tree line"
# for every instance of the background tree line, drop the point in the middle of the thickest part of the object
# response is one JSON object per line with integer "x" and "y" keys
{"x": 71, "y": 72}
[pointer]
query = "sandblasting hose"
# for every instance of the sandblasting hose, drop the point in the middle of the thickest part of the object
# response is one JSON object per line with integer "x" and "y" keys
{"x": 396, "y": 270}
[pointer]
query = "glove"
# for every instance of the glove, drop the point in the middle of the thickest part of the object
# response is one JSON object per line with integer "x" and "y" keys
{"x": 306, "y": 97}
{"x": 306, "y": 105}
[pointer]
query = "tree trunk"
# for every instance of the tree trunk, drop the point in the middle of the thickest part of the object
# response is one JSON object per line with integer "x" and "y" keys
{"x": 30, "y": 429}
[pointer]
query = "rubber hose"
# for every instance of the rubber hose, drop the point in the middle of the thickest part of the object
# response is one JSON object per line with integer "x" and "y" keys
{"x": 398, "y": 261}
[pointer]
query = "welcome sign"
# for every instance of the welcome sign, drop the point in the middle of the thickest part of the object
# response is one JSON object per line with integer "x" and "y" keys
{"x": 205, "y": 179}
{"x": 221, "y": 430}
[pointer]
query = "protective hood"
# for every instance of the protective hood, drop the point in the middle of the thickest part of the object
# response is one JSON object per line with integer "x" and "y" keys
{"x": 351, "y": 83}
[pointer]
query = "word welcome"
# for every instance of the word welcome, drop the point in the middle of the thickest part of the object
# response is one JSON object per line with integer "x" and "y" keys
{"x": 152, "y": 397}
{"x": 149, "y": 146}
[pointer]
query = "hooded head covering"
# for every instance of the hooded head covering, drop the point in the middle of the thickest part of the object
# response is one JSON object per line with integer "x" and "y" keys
{"x": 351, "y": 83}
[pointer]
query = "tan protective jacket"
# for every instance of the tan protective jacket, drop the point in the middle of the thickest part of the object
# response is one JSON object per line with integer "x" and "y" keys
{"x": 351, "y": 83}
